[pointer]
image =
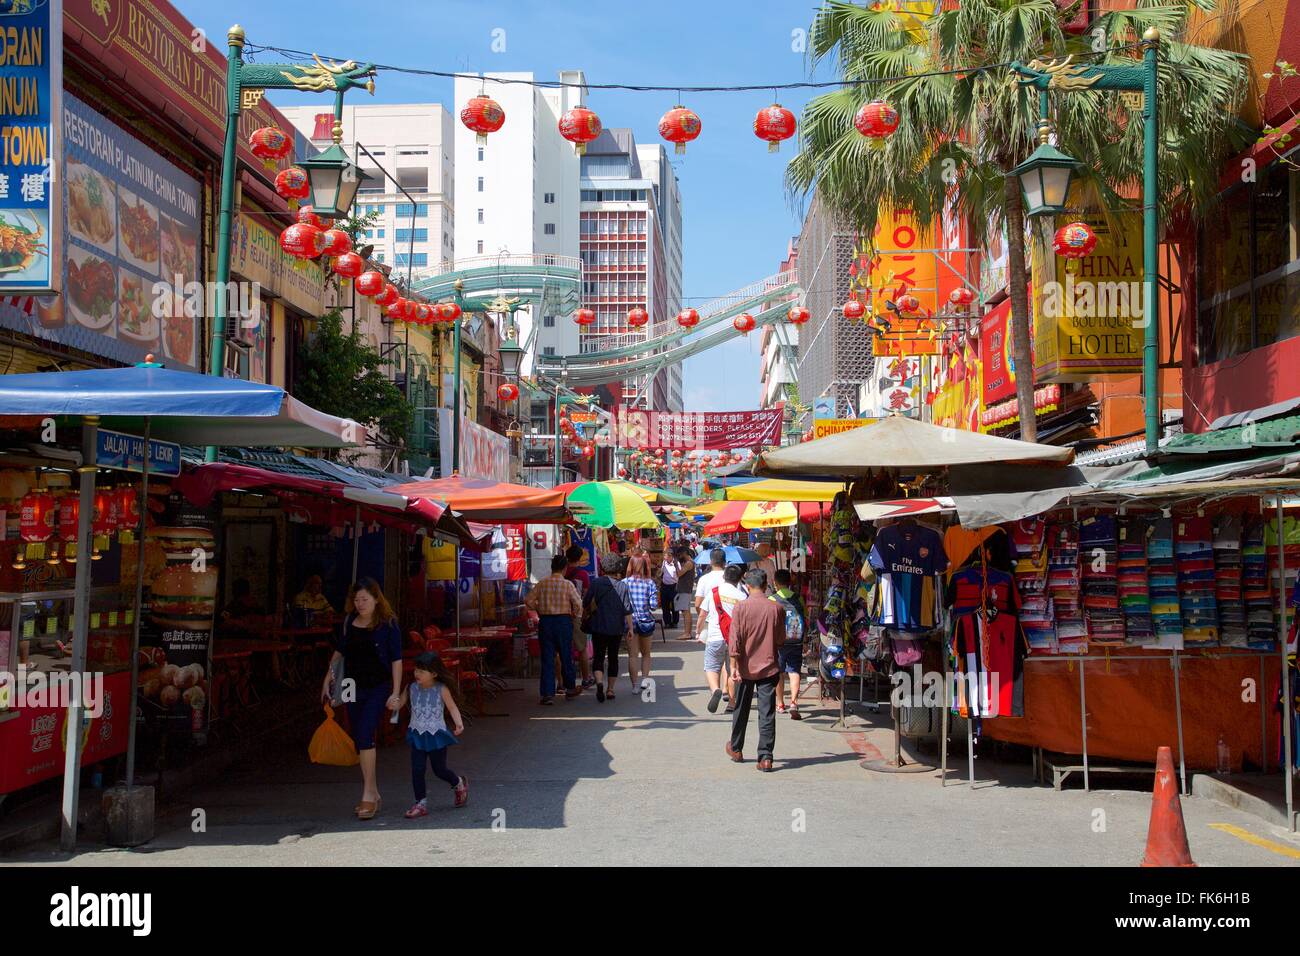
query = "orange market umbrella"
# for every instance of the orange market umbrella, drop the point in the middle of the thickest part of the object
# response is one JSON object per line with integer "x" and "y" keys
{"x": 492, "y": 502}
{"x": 735, "y": 515}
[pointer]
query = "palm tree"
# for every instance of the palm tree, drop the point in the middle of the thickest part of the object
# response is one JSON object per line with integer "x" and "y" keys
{"x": 966, "y": 122}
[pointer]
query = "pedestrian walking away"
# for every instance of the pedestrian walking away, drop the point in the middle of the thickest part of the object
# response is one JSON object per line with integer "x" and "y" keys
{"x": 757, "y": 633}
{"x": 644, "y": 595}
{"x": 559, "y": 610}
{"x": 718, "y": 611}
{"x": 576, "y": 573}
{"x": 792, "y": 651}
{"x": 432, "y": 699}
{"x": 609, "y": 617}
{"x": 684, "y": 597}
{"x": 668, "y": 574}
{"x": 370, "y": 655}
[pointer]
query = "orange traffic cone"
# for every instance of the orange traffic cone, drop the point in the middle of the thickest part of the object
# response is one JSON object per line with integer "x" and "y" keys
{"x": 1166, "y": 835}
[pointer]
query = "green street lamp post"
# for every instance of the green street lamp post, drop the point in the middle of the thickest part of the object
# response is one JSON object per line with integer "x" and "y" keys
{"x": 332, "y": 177}
{"x": 1047, "y": 172}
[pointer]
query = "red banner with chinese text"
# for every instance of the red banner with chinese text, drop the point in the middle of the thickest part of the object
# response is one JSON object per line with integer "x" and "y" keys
{"x": 700, "y": 431}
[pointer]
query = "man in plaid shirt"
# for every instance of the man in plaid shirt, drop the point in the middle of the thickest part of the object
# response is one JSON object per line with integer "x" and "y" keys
{"x": 559, "y": 609}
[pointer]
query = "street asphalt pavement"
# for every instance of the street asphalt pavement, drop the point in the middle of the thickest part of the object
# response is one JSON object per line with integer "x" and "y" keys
{"x": 633, "y": 782}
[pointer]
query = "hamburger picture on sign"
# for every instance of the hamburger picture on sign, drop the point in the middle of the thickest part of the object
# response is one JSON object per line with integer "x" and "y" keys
{"x": 177, "y": 618}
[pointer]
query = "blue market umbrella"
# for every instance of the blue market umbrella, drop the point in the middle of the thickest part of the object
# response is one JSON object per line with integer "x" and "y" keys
{"x": 734, "y": 555}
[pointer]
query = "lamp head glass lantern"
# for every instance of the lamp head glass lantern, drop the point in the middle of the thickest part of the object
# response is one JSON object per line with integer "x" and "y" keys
{"x": 511, "y": 355}
{"x": 334, "y": 181}
{"x": 1045, "y": 179}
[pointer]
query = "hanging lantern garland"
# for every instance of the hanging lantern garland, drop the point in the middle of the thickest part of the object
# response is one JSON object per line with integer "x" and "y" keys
{"x": 69, "y": 512}
{"x": 580, "y": 126}
{"x": 350, "y": 266}
{"x": 853, "y": 310}
{"x": 446, "y": 312}
{"x": 584, "y": 317}
{"x": 337, "y": 242}
{"x": 270, "y": 145}
{"x": 679, "y": 126}
{"x": 483, "y": 115}
{"x": 774, "y": 123}
{"x": 370, "y": 283}
{"x": 36, "y": 515}
{"x": 688, "y": 318}
{"x": 908, "y": 303}
{"x": 798, "y": 315}
{"x": 303, "y": 241}
{"x": 961, "y": 297}
{"x": 386, "y": 296}
{"x": 637, "y": 317}
{"x": 307, "y": 215}
{"x": 291, "y": 184}
{"x": 507, "y": 391}
{"x": 743, "y": 323}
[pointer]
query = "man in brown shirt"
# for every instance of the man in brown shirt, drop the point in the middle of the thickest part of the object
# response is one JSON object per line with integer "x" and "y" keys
{"x": 757, "y": 630}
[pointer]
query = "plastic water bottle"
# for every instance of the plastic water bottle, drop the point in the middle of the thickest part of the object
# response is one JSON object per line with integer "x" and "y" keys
{"x": 1224, "y": 757}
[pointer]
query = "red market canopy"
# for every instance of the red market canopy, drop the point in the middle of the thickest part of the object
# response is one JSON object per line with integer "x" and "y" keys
{"x": 493, "y": 502}
{"x": 327, "y": 502}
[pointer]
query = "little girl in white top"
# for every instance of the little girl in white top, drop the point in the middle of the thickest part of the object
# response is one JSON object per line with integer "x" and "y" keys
{"x": 431, "y": 697}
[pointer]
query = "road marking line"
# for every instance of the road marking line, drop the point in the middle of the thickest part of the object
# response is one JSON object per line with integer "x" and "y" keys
{"x": 1249, "y": 837}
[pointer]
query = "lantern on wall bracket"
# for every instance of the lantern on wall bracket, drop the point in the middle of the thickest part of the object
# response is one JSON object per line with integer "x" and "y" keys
{"x": 511, "y": 357}
{"x": 1045, "y": 177}
{"x": 334, "y": 179}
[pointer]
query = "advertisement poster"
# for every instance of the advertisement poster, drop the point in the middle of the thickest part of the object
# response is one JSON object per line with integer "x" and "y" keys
{"x": 694, "y": 431}
{"x": 178, "y": 605}
{"x": 483, "y": 453}
{"x": 894, "y": 389}
{"x": 31, "y": 66}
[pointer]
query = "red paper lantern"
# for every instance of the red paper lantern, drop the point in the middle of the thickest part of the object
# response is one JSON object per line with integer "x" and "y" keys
{"x": 688, "y": 318}
{"x": 853, "y": 309}
{"x": 483, "y": 115}
{"x": 350, "y": 266}
{"x": 877, "y": 121}
{"x": 305, "y": 214}
{"x": 69, "y": 512}
{"x": 292, "y": 185}
{"x": 302, "y": 241}
{"x": 580, "y": 126}
{"x": 743, "y": 323}
{"x": 396, "y": 310}
{"x": 410, "y": 310}
{"x": 423, "y": 314}
{"x": 961, "y": 296}
{"x": 105, "y": 521}
{"x": 128, "y": 509}
{"x": 908, "y": 303}
{"x": 588, "y": 450}
{"x": 774, "y": 123}
{"x": 36, "y": 516}
{"x": 1075, "y": 240}
{"x": 507, "y": 391}
{"x": 679, "y": 125}
{"x": 447, "y": 311}
{"x": 370, "y": 283}
{"x": 798, "y": 315}
{"x": 337, "y": 242}
{"x": 637, "y": 317}
{"x": 386, "y": 296}
{"x": 584, "y": 316}
{"x": 622, "y": 472}
{"x": 270, "y": 145}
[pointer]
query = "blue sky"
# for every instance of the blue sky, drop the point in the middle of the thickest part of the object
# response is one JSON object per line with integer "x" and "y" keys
{"x": 737, "y": 217}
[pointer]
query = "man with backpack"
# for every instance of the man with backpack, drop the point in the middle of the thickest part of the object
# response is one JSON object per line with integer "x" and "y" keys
{"x": 790, "y": 654}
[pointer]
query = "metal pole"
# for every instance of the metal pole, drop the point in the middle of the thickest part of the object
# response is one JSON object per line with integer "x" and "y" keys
{"x": 1263, "y": 720}
{"x": 1150, "y": 242}
{"x": 80, "y": 632}
{"x": 139, "y": 589}
{"x": 356, "y": 541}
{"x": 1288, "y": 744}
{"x": 1083, "y": 724}
{"x": 455, "y": 408}
{"x": 229, "y": 163}
{"x": 970, "y": 741}
{"x": 1177, "y": 664}
{"x": 556, "y": 479}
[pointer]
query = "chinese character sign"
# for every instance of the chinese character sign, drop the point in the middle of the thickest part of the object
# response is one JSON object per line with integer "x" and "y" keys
{"x": 31, "y": 69}
{"x": 697, "y": 431}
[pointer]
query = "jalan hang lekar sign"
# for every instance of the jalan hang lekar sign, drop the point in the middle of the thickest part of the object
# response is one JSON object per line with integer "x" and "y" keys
{"x": 1089, "y": 314}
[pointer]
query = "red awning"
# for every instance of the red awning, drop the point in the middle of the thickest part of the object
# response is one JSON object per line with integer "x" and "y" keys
{"x": 492, "y": 502}
{"x": 322, "y": 502}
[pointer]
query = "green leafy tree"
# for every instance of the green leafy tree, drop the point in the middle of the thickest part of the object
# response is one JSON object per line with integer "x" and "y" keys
{"x": 965, "y": 122}
{"x": 339, "y": 373}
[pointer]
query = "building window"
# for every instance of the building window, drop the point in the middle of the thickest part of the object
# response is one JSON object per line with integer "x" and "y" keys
{"x": 548, "y": 321}
{"x": 480, "y": 216}
{"x": 412, "y": 152}
{"x": 418, "y": 260}
{"x": 548, "y": 350}
{"x": 549, "y": 229}
{"x": 1250, "y": 269}
{"x": 480, "y": 154}
{"x": 480, "y": 246}
{"x": 406, "y": 235}
{"x": 548, "y": 197}
{"x": 480, "y": 184}
{"x": 403, "y": 210}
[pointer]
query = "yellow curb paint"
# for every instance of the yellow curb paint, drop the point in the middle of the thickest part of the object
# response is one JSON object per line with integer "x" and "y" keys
{"x": 1249, "y": 837}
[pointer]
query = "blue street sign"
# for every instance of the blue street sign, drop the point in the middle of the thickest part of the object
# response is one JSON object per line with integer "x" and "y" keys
{"x": 125, "y": 452}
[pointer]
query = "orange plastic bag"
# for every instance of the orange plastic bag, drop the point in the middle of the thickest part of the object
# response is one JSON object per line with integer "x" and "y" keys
{"x": 331, "y": 744}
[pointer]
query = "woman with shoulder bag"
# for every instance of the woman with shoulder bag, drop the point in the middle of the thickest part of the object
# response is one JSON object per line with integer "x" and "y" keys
{"x": 609, "y": 620}
{"x": 644, "y": 595}
{"x": 370, "y": 649}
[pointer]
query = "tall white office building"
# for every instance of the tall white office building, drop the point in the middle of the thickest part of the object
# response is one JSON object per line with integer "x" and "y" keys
{"x": 413, "y": 143}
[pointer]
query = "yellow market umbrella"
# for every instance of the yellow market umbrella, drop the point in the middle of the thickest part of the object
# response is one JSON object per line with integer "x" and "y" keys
{"x": 734, "y": 515}
{"x": 708, "y": 509}
{"x": 784, "y": 489}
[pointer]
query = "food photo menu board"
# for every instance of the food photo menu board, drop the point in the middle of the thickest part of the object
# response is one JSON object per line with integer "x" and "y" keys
{"x": 131, "y": 231}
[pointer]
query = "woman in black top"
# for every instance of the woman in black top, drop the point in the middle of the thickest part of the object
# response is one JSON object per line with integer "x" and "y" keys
{"x": 371, "y": 651}
{"x": 610, "y": 607}
{"x": 686, "y": 591}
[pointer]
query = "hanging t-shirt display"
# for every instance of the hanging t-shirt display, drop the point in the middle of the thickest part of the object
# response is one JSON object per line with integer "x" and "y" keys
{"x": 1029, "y": 551}
{"x": 986, "y": 651}
{"x": 907, "y": 558}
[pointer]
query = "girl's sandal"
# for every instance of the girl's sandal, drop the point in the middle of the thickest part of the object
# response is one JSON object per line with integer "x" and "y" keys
{"x": 369, "y": 809}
